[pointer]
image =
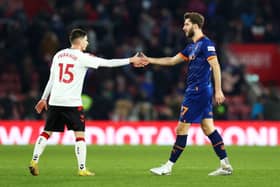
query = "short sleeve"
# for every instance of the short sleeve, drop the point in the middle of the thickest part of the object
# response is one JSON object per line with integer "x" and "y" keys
{"x": 185, "y": 54}
{"x": 210, "y": 50}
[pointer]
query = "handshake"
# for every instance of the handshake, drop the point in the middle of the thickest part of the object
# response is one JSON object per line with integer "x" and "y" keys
{"x": 139, "y": 60}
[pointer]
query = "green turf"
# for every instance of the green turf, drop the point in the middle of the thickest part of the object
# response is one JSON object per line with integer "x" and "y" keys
{"x": 129, "y": 166}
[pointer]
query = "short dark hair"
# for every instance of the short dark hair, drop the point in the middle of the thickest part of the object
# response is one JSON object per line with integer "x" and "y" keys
{"x": 195, "y": 18}
{"x": 77, "y": 33}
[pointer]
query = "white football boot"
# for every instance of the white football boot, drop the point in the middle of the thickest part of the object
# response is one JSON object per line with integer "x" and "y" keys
{"x": 162, "y": 170}
{"x": 225, "y": 169}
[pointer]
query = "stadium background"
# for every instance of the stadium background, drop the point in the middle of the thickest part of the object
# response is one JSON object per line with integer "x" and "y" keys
{"x": 246, "y": 35}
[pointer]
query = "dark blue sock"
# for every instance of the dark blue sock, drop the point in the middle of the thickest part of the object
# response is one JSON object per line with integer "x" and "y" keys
{"x": 178, "y": 148}
{"x": 218, "y": 144}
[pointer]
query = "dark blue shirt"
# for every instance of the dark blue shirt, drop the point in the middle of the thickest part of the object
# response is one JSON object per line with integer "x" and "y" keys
{"x": 199, "y": 70}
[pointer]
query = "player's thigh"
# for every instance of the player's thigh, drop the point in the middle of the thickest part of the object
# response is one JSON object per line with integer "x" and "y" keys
{"x": 207, "y": 126}
{"x": 75, "y": 119}
{"x": 54, "y": 120}
{"x": 193, "y": 107}
{"x": 190, "y": 111}
{"x": 182, "y": 128}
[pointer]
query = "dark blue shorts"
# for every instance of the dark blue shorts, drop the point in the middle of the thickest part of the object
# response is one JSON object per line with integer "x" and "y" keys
{"x": 197, "y": 105}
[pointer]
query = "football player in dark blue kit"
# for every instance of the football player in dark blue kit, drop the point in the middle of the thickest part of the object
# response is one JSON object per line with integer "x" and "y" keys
{"x": 197, "y": 104}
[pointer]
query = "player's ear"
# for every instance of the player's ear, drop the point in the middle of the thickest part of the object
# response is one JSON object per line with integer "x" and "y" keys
{"x": 195, "y": 26}
{"x": 79, "y": 41}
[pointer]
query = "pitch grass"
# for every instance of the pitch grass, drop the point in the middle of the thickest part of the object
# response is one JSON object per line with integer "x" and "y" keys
{"x": 122, "y": 166}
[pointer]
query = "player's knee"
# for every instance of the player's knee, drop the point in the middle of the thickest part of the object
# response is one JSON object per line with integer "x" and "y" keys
{"x": 204, "y": 129}
{"x": 207, "y": 130}
{"x": 182, "y": 130}
{"x": 178, "y": 130}
{"x": 79, "y": 134}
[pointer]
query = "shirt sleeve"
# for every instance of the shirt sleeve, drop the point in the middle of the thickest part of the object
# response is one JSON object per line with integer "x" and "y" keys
{"x": 90, "y": 61}
{"x": 95, "y": 62}
{"x": 49, "y": 85}
{"x": 185, "y": 54}
{"x": 210, "y": 51}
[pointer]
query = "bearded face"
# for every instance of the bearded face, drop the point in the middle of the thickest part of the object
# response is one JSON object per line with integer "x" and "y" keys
{"x": 190, "y": 32}
{"x": 188, "y": 28}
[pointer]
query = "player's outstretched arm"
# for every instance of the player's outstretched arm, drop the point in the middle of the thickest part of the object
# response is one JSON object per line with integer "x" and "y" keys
{"x": 164, "y": 61}
{"x": 95, "y": 62}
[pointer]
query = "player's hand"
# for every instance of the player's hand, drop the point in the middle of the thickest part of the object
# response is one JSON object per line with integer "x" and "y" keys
{"x": 219, "y": 97}
{"x": 144, "y": 56}
{"x": 41, "y": 105}
{"x": 138, "y": 61}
